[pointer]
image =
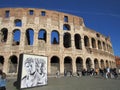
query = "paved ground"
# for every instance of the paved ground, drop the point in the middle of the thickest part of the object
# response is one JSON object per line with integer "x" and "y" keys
{"x": 74, "y": 83}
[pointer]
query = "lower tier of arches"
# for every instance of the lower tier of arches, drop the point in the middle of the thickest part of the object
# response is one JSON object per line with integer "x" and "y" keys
{"x": 9, "y": 64}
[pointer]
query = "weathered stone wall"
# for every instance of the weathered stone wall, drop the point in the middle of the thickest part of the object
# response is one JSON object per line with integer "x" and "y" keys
{"x": 52, "y": 20}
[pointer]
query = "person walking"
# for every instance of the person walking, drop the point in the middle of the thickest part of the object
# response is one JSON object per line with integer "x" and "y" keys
{"x": 3, "y": 82}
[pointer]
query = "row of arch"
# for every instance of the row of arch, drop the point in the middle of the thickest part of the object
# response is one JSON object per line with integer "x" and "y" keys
{"x": 68, "y": 62}
{"x": 18, "y": 23}
{"x": 55, "y": 63}
{"x": 55, "y": 39}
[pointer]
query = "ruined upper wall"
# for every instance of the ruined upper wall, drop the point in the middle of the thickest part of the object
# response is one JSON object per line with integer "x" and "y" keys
{"x": 54, "y": 15}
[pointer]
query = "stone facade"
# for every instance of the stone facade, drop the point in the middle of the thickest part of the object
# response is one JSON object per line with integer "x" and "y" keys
{"x": 63, "y": 38}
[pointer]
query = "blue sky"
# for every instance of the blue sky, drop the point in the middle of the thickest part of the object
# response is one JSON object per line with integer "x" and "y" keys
{"x": 100, "y": 15}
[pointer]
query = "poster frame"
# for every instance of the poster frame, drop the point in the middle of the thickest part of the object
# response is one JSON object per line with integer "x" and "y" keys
{"x": 21, "y": 70}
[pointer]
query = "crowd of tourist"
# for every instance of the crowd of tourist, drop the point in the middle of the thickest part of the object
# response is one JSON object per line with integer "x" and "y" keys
{"x": 105, "y": 73}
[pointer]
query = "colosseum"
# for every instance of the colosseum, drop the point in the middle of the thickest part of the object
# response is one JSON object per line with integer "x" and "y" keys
{"x": 63, "y": 38}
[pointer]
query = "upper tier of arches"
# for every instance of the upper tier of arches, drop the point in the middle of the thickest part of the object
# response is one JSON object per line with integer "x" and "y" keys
{"x": 49, "y": 25}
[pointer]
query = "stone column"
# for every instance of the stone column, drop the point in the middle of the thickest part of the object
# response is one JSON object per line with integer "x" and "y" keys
{"x": 99, "y": 63}
{"x": 6, "y": 63}
{"x": 72, "y": 42}
{"x": 104, "y": 64}
{"x": 10, "y": 37}
{"x": 96, "y": 42}
{"x": 102, "y": 46}
{"x": 84, "y": 63}
{"x": 48, "y": 42}
{"x": 74, "y": 66}
{"x": 82, "y": 43}
{"x": 49, "y": 66}
{"x": 90, "y": 42}
{"x": 22, "y": 40}
{"x": 93, "y": 64}
{"x": 35, "y": 45}
{"x": 62, "y": 65}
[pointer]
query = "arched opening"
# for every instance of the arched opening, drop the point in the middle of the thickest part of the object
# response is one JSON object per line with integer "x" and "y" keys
{"x": 13, "y": 64}
{"x": 88, "y": 64}
{"x": 78, "y": 43}
{"x": 98, "y": 35}
{"x": 67, "y": 64}
{"x": 29, "y": 37}
{"x": 66, "y": 27}
{"x": 42, "y": 35}
{"x": 102, "y": 64}
{"x": 54, "y": 37}
{"x": 3, "y": 35}
{"x": 96, "y": 64}
{"x": 107, "y": 64}
{"x": 55, "y": 65}
{"x": 16, "y": 37}
{"x": 79, "y": 64}
{"x": 67, "y": 40}
{"x": 99, "y": 45}
{"x": 18, "y": 23}
{"x": 107, "y": 47}
{"x": 86, "y": 41}
{"x": 93, "y": 43}
{"x": 104, "y": 47}
{"x": 1, "y": 62}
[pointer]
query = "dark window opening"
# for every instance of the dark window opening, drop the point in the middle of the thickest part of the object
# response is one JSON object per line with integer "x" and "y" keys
{"x": 65, "y": 18}
{"x": 79, "y": 64}
{"x": 96, "y": 64}
{"x": 42, "y": 35}
{"x": 18, "y": 23}
{"x": 104, "y": 46}
{"x": 29, "y": 37}
{"x": 54, "y": 37}
{"x": 88, "y": 64}
{"x": 13, "y": 64}
{"x": 86, "y": 41}
{"x": 4, "y": 35}
{"x": 67, "y": 40}
{"x": 43, "y": 13}
{"x": 107, "y": 64}
{"x": 55, "y": 65}
{"x": 1, "y": 60}
{"x": 7, "y": 14}
{"x": 99, "y": 45}
{"x": 93, "y": 43}
{"x": 31, "y": 12}
{"x": 68, "y": 64}
{"x": 54, "y": 59}
{"x": 16, "y": 37}
{"x": 78, "y": 44}
{"x": 66, "y": 27}
{"x": 98, "y": 35}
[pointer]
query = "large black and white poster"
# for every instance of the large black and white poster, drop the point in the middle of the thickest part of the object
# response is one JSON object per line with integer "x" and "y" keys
{"x": 34, "y": 71}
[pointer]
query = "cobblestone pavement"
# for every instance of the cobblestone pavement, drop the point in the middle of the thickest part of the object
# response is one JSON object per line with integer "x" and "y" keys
{"x": 74, "y": 83}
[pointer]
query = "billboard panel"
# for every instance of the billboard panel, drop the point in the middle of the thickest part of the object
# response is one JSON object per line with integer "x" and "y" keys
{"x": 33, "y": 71}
